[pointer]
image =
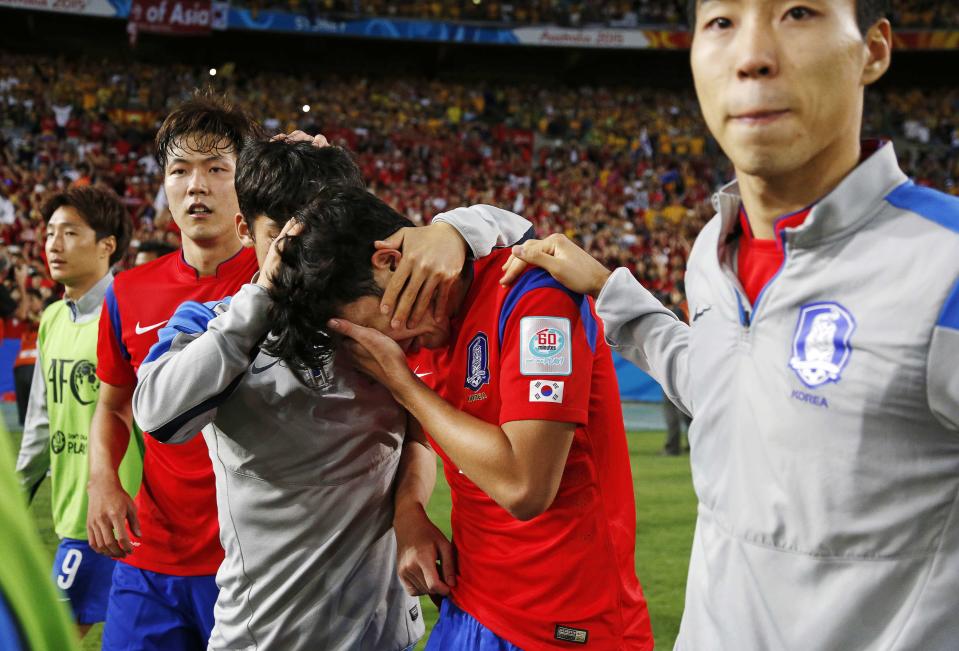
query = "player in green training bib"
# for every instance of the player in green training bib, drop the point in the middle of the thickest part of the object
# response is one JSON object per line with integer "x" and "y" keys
{"x": 87, "y": 231}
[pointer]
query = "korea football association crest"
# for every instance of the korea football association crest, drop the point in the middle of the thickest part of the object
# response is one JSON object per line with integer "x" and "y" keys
{"x": 821, "y": 348}
{"x": 477, "y": 362}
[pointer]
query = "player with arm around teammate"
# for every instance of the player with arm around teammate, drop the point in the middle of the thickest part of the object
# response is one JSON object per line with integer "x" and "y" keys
{"x": 820, "y": 361}
{"x": 520, "y": 399}
{"x": 305, "y": 458}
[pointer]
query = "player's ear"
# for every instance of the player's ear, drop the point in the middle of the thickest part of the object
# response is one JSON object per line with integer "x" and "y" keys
{"x": 107, "y": 246}
{"x": 386, "y": 259}
{"x": 878, "y": 42}
{"x": 243, "y": 231}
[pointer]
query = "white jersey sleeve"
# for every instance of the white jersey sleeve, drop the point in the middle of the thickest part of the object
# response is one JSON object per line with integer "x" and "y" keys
{"x": 645, "y": 332}
{"x": 486, "y": 227}
{"x": 33, "y": 461}
{"x": 199, "y": 359}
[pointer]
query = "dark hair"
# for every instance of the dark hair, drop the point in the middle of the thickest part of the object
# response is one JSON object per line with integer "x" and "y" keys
{"x": 867, "y": 13}
{"x": 155, "y": 246}
{"x": 277, "y": 179}
{"x": 205, "y": 119}
{"x": 324, "y": 268}
{"x": 101, "y": 209}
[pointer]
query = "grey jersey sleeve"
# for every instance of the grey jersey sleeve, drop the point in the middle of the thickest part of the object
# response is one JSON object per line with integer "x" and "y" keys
{"x": 199, "y": 359}
{"x": 646, "y": 333}
{"x": 942, "y": 377}
{"x": 486, "y": 227}
{"x": 34, "y": 458}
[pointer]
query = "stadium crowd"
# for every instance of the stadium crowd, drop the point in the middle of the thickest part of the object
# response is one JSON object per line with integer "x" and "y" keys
{"x": 567, "y": 13}
{"x": 627, "y": 172}
{"x": 621, "y": 13}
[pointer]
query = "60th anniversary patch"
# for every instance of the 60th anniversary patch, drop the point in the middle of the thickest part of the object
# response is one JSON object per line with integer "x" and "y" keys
{"x": 545, "y": 346}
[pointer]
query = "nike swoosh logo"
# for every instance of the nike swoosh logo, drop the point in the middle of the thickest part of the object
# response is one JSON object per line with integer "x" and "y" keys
{"x": 416, "y": 372}
{"x": 140, "y": 330}
{"x": 259, "y": 369}
{"x": 701, "y": 312}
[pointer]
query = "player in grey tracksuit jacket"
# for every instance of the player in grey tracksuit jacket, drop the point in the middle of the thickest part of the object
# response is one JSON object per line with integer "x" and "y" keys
{"x": 304, "y": 475}
{"x": 825, "y": 450}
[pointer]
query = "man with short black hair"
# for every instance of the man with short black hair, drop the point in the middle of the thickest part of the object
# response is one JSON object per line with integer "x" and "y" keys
{"x": 305, "y": 458}
{"x": 820, "y": 362}
{"x": 87, "y": 231}
{"x": 518, "y": 393}
{"x": 164, "y": 587}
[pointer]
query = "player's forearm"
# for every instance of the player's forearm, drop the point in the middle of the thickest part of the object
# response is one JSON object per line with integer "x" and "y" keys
{"x": 109, "y": 439}
{"x": 33, "y": 461}
{"x": 481, "y": 450}
{"x": 415, "y": 477}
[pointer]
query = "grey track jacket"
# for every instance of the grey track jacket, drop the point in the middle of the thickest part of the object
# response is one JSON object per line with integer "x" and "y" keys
{"x": 825, "y": 450}
{"x": 304, "y": 478}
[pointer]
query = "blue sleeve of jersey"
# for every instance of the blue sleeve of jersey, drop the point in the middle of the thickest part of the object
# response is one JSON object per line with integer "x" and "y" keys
{"x": 190, "y": 318}
{"x": 113, "y": 308}
{"x": 536, "y": 279}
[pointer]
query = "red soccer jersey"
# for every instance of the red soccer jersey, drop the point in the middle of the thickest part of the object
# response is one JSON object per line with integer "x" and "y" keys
{"x": 176, "y": 504}
{"x": 536, "y": 351}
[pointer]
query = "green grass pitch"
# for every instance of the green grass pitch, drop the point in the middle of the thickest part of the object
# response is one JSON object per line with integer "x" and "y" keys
{"x": 665, "y": 514}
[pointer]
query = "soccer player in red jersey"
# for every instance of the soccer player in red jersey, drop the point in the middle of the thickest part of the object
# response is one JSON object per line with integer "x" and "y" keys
{"x": 520, "y": 398}
{"x": 164, "y": 589}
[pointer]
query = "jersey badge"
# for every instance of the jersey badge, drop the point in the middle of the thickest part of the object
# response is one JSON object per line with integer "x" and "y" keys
{"x": 545, "y": 346}
{"x": 546, "y": 391}
{"x": 821, "y": 347}
{"x": 570, "y": 634}
{"x": 477, "y": 362}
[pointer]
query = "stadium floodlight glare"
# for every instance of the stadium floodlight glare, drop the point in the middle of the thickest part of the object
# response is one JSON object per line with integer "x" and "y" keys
{"x": 213, "y": 72}
{"x": 306, "y": 108}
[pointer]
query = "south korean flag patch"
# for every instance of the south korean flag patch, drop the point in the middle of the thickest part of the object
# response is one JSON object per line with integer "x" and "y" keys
{"x": 546, "y": 391}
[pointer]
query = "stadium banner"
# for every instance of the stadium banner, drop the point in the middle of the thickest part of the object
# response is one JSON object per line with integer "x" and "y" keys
{"x": 543, "y": 36}
{"x": 175, "y": 17}
{"x": 81, "y": 7}
{"x": 448, "y": 32}
{"x": 624, "y": 39}
{"x": 423, "y": 30}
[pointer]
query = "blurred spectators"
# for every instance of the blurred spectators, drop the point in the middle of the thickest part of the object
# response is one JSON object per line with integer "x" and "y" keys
{"x": 150, "y": 251}
{"x": 627, "y": 172}
{"x": 566, "y": 13}
{"x": 925, "y": 13}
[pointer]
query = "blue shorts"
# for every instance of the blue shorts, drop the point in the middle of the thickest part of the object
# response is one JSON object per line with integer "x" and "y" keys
{"x": 151, "y": 611}
{"x": 10, "y": 639}
{"x": 457, "y": 629}
{"x": 84, "y": 577}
